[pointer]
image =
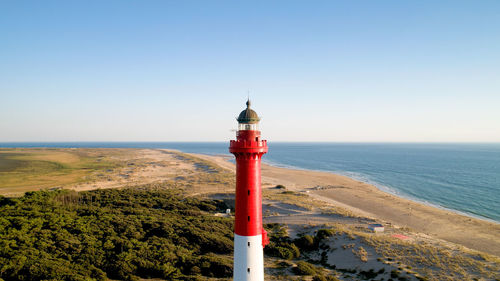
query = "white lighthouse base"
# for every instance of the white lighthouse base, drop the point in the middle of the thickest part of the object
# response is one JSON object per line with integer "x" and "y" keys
{"x": 248, "y": 258}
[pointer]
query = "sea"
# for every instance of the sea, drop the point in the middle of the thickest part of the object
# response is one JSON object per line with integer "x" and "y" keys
{"x": 461, "y": 177}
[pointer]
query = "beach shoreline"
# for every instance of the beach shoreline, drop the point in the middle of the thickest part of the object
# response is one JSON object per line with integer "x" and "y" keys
{"x": 134, "y": 167}
{"x": 380, "y": 187}
{"x": 385, "y": 189}
{"x": 367, "y": 200}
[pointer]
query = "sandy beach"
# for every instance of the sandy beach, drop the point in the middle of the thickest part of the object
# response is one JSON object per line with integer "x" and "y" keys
{"x": 150, "y": 166}
{"x": 418, "y": 240}
{"x": 368, "y": 201}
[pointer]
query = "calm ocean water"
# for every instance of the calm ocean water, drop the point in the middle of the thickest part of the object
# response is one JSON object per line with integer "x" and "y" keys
{"x": 460, "y": 177}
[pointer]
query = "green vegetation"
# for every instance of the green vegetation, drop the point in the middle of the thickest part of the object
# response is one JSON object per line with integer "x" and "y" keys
{"x": 8, "y": 162}
{"x": 118, "y": 234}
{"x": 280, "y": 245}
{"x": 305, "y": 268}
{"x": 323, "y": 234}
{"x": 306, "y": 242}
{"x": 28, "y": 169}
{"x": 283, "y": 247}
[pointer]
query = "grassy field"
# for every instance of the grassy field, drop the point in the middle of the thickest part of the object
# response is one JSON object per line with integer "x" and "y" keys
{"x": 31, "y": 169}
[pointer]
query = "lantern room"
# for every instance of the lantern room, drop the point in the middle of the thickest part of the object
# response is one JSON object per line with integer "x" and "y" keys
{"x": 248, "y": 120}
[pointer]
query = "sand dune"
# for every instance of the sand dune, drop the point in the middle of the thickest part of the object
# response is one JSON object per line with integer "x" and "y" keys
{"x": 366, "y": 200}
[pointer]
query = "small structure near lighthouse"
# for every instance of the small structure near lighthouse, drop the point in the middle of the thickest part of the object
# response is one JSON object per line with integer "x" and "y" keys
{"x": 249, "y": 235}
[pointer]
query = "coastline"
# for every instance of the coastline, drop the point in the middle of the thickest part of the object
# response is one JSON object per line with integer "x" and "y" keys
{"x": 363, "y": 200}
{"x": 384, "y": 189}
{"x": 367, "y": 200}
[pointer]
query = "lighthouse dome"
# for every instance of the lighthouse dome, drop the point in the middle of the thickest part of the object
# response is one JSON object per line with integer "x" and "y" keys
{"x": 248, "y": 116}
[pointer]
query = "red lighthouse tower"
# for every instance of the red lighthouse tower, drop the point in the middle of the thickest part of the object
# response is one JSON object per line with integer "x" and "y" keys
{"x": 249, "y": 235}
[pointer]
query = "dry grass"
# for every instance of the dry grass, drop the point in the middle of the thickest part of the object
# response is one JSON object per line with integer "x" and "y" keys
{"x": 46, "y": 168}
{"x": 206, "y": 177}
{"x": 361, "y": 253}
{"x": 289, "y": 197}
{"x": 305, "y": 201}
{"x": 432, "y": 259}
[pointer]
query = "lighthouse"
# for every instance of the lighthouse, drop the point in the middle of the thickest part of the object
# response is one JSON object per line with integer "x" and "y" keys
{"x": 249, "y": 235}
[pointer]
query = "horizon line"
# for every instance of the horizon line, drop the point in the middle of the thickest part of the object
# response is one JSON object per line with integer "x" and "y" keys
{"x": 367, "y": 142}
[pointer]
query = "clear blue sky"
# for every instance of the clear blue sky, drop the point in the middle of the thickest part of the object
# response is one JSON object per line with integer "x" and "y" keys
{"x": 316, "y": 70}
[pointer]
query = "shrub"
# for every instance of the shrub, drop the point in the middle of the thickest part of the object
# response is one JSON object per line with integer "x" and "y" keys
{"x": 282, "y": 250}
{"x": 276, "y": 232}
{"x": 295, "y": 250}
{"x": 394, "y": 274}
{"x": 370, "y": 274}
{"x": 319, "y": 278}
{"x": 361, "y": 254}
{"x": 306, "y": 243}
{"x": 215, "y": 266}
{"x": 280, "y": 244}
{"x": 305, "y": 268}
{"x": 324, "y": 233}
{"x": 283, "y": 264}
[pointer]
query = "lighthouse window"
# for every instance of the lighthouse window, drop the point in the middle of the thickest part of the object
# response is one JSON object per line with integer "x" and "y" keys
{"x": 248, "y": 244}
{"x": 249, "y": 192}
{"x": 248, "y": 270}
{"x": 247, "y": 127}
{"x": 248, "y": 218}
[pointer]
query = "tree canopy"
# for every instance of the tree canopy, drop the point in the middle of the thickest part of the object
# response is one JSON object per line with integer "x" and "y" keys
{"x": 119, "y": 234}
